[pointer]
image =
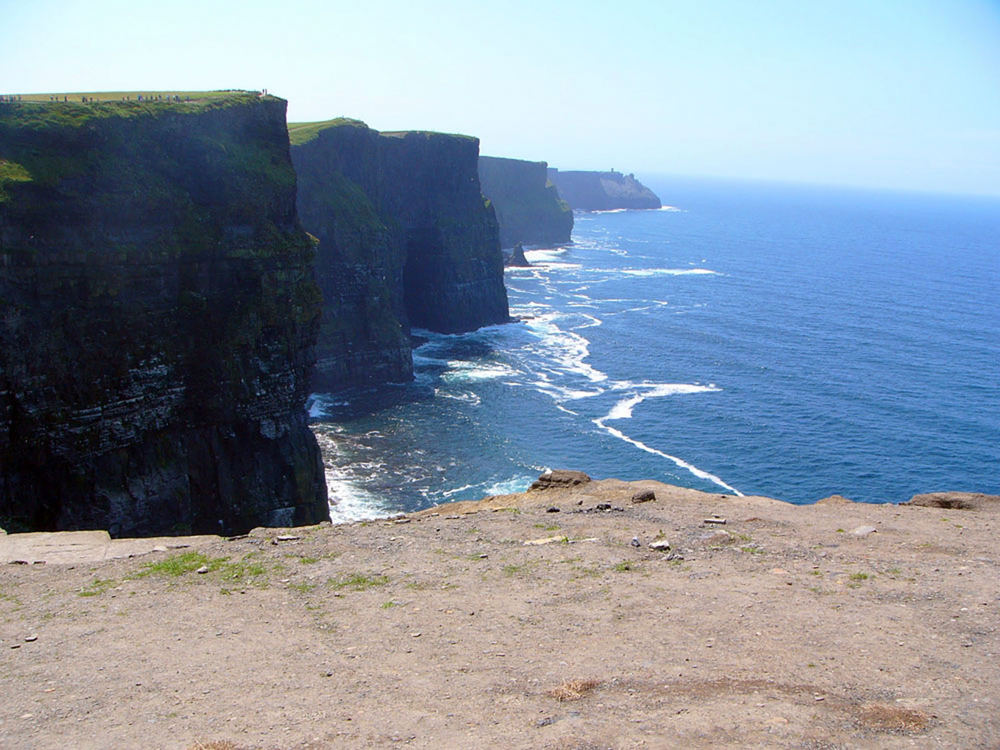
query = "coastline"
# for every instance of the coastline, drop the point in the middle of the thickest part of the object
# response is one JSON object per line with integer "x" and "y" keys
{"x": 500, "y": 622}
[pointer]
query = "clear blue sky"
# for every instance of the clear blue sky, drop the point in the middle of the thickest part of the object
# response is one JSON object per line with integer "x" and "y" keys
{"x": 879, "y": 93}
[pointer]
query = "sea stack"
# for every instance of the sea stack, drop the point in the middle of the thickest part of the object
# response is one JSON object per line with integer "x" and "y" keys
{"x": 405, "y": 239}
{"x": 158, "y": 318}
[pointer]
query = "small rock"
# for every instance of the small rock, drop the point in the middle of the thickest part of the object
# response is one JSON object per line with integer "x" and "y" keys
{"x": 635, "y": 542}
{"x": 660, "y": 545}
{"x": 546, "y": 722}
{"x": 287, "y": 538}
{"x": 202, "y": 570}
{"x": 416, "y": 635}
{"x": 30, "y": 638}
{"x": 547, "y": 540}
{"x": 716, "y": 520}
{"x": 159, "y": 548}
{"x": 863, "y": 530}
{"x": 644, "y": 496}
{"x": 402, "y": 520}
{"x": 552, "y": 509}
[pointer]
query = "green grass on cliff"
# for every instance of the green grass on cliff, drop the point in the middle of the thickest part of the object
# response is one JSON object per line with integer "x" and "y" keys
{"x": 303, "y": 132}
{"x": 425, "y": 134}
{"x": 43, "y": 111}
{"x": 11, "y": 172}
{"x": 196, "y": 97}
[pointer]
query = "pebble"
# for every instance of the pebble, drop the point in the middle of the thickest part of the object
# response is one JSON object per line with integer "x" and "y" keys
{"x": 552, "y": 509}
{"x": 31, "y": 638}
{"x": 202, "y": 570}
{"x": 715, "y": 519}
{"x": 287, "y": 538}
{"x": 863, "y": 530}
{"x": 661, "y": 545}
{"x": 635, "y": 542}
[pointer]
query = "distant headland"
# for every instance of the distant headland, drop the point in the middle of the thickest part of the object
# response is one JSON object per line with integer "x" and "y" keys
{"x": 602, "y": 191}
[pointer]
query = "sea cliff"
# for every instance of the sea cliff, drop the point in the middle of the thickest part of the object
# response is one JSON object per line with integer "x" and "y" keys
{"x": 602, "y": 191}
{"x": 405, "y": 239}
{"x": 158, "y": 318}
{"x": 528, "y": 207}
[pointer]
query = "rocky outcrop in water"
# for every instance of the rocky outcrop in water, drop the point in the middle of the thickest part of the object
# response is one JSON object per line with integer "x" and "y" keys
{"x": 602, "y": 191}
{"x": 527, "y": 204}
{"x": 158, "y": 319}
{"x": 405, "y": 239}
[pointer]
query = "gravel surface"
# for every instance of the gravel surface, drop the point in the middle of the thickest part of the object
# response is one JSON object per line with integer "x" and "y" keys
{"x": 543, "y": 620}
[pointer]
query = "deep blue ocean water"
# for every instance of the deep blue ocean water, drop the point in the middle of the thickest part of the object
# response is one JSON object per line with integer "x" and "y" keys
{"x": 763, "y": 339}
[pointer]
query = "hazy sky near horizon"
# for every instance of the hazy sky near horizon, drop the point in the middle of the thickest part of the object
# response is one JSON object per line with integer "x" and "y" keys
{"x": 875, "y": 93}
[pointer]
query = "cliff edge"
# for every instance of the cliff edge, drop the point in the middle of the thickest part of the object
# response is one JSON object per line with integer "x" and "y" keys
{"x": 527, "y": 203}
{"x": 579, "y": 614}
{"x": 405, "y": 239}
{"x": 602, "y": 191}
{"x": 158, "y": 319}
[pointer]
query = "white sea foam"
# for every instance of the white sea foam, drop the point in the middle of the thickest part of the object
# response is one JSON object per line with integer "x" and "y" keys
{"x": 668, "y": 272}
{"x": 672, "y": 209}
{"x": 460, "y": 370}
{"x": 319, "y": 405}
{"x": 467, "y": 397}
{"x": 678, "y": 461}
{"x": 548, "y": 255}
{"x": 349, "y": 502}
{"x": 457, "y": 490}
{"x": 623, "y": 410}
{"x": 566, "y": 349}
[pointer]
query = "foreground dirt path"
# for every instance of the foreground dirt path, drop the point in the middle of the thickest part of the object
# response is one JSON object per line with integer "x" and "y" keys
{"x": 785, "y": 626}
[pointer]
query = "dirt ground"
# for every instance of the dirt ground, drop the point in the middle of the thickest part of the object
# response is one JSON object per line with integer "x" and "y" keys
{"x": 503, "y": 624}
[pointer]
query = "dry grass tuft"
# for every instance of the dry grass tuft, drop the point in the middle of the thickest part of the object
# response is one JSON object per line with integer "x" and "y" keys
{"x": 883, "y": 718}
{"x": 572, "y": 690}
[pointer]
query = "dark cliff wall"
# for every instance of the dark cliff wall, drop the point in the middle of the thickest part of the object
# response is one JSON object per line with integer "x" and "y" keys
{"x": 157, "y": 318}
{"x": 405, "y": 239}
{"x": 602, "y": 191}
{"x": 527, "y": 204}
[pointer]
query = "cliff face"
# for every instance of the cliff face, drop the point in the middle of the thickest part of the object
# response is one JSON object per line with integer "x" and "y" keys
{"x": 158, "y": 317}
{"x": 527, "y": 204}
{"x": 405, "y": 238}
{"x": 602, "y": 191}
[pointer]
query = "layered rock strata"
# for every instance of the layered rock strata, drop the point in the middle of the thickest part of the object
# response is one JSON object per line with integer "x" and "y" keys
{"x": 528, "y": 207}
{"x": 158, "y": 319}
{"x": 602, "y": 191}
{"x": 405, "y": 239}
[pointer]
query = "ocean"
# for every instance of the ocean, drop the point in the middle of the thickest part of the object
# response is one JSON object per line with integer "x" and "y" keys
{"x": 749, "y": 338}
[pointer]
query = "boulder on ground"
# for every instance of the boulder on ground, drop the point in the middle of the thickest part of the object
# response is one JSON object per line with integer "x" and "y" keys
{"x": 644, "y": 496}
{"x": 559, "y": 478}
